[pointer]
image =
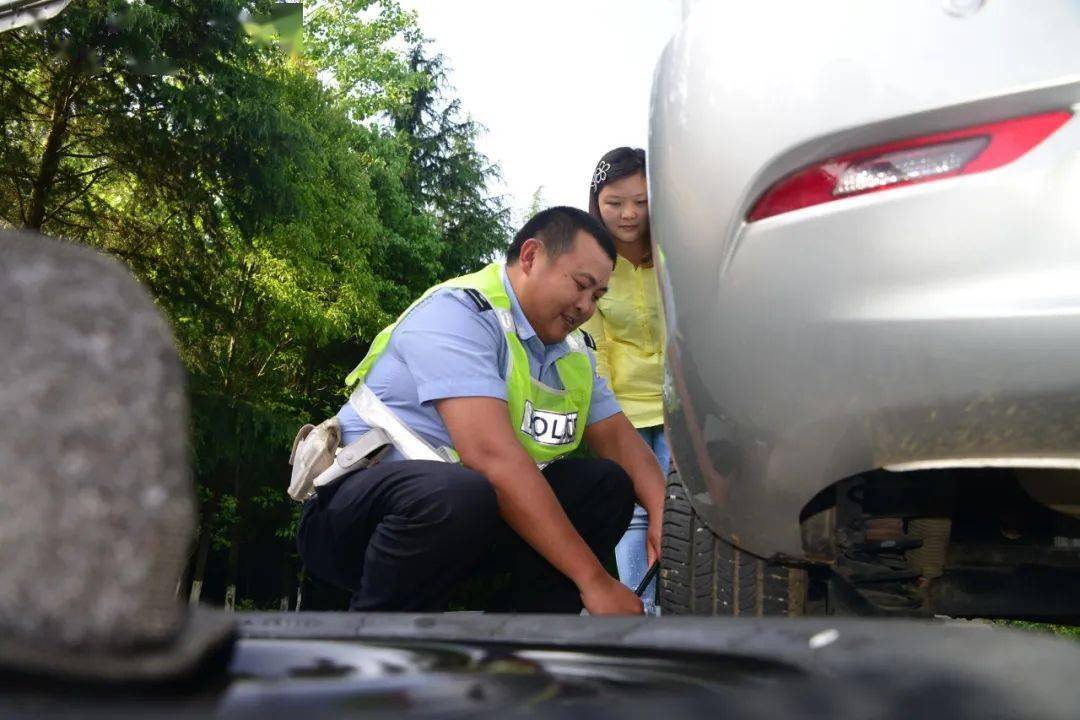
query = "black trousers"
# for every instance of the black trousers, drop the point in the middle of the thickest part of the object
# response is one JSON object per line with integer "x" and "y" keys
{"x": 401, "y": 535}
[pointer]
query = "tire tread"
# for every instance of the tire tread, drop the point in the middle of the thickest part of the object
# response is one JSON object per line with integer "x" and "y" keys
{"x": 702, "y": 574}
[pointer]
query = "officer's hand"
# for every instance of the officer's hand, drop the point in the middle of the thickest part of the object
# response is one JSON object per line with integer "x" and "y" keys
{"x": 608, "y": 596}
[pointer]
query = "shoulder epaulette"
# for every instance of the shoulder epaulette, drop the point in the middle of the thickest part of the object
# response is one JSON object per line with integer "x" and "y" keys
{"x": 477, "y": 297}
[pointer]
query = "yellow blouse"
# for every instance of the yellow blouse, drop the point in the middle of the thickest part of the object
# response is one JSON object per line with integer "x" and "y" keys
{"x": 628, "y": 328}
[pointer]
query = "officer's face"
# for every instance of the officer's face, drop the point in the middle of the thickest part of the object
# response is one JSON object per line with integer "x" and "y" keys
{"x": 561, "y": 292}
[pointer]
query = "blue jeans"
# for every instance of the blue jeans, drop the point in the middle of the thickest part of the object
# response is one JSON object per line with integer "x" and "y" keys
{"x": 631, "y": 555}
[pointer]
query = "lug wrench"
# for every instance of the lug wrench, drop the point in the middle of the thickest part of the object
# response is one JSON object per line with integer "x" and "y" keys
{"x": 649, "y": 575}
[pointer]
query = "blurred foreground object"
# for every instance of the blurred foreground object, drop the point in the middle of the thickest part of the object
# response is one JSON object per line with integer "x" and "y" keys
{"x": 96, "y": 499}
{"x": 18, "y": 13}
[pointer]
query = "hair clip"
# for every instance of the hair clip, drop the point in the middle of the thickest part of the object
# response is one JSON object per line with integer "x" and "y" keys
{"x": 600, "y": 175}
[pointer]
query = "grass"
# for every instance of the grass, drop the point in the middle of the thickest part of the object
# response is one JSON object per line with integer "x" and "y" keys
{"x": 1067, "y": 631}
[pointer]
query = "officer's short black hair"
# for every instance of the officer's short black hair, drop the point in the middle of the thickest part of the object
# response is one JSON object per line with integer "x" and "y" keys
{"x": 556, "y": 227}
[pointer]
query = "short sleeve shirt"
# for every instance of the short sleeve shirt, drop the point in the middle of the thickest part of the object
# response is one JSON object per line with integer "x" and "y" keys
{"x": 447, "y": 347}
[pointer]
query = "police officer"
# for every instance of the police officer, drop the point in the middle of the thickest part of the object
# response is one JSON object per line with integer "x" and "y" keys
{"x": 492, "y": 369}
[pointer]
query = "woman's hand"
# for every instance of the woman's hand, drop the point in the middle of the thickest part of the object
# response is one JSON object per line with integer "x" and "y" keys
{"x": 652, "y": 539}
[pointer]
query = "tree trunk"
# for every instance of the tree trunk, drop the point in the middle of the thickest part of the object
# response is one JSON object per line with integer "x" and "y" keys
{"x": 234, "y": 543}
{"x": 300, "y": 588}
{"x": 234, "y": 567}
{"x": 183, "y": 583}
{"x": 50, "y": 156}
{"x": 287, "y": 576}
{"x": 230, "y": 598}
{"x": 199, "y": 574}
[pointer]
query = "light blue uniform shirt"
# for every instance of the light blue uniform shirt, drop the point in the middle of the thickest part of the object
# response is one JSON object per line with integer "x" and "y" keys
{"x": 447, "y": 348}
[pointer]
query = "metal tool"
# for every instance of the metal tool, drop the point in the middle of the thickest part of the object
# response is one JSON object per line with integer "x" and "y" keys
{"x": 649, "y": 575}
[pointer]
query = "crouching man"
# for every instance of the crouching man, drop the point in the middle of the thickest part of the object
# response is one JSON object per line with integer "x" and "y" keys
{"x": 492, "y": 370}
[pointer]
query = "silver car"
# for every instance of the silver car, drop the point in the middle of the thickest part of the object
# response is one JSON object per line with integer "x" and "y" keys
{"x": 867, "y": 216}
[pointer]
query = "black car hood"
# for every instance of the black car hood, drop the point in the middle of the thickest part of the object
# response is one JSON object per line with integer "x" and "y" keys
{"x": 314, "y": 665}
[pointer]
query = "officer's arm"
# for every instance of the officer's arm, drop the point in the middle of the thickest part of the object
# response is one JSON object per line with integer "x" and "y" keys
{"x": 484, "y": 439}
{"x": 616, "y": 439}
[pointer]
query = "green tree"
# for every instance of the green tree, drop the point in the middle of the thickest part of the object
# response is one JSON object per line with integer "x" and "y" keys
{"x": 447, "y": 174}
{"x": 536, "y": 203}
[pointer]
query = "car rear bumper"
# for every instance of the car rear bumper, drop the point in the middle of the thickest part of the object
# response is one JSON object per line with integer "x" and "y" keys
{"x": 929, "y": 327}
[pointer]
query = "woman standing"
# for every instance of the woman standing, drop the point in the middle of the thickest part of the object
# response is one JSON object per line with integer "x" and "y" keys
{"x": 628, "y": 329}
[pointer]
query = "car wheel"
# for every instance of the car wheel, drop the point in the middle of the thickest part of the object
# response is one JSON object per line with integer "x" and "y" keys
{"x": 702, "y": 574}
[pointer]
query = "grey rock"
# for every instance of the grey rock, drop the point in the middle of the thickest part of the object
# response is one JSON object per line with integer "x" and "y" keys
{"x": 96, "y": 498}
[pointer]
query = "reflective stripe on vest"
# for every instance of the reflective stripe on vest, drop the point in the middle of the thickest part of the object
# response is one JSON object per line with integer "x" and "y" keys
{"x": 548, "y": 422}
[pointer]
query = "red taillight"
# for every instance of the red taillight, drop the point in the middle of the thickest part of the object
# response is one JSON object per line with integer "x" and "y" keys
{"x": 906, "y": 162}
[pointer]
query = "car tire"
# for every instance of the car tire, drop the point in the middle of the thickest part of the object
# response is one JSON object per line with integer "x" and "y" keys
{"x": 702, "y": 574}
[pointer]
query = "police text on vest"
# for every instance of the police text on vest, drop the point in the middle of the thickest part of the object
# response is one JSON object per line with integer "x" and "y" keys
{"x": 548, "y": 428}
